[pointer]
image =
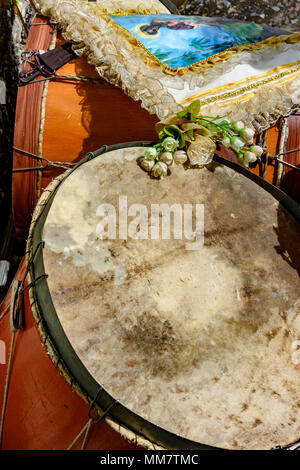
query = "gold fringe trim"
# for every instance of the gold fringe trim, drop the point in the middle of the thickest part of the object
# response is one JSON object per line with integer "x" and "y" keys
{"x": 243, "y": 90}
{"x": 120, "y": 12}
{"x": 234, "y": 85}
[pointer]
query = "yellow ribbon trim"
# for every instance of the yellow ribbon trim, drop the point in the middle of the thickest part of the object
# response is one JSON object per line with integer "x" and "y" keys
{"x": 251, "y": 95}
{"x": 224, "y": 96}
{"x": 238, "y": 83}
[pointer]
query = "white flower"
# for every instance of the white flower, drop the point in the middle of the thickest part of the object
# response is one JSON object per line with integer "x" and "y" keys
{"x": 169, "y": 144}
{"x": 159, "y": 170}
{"x": 167, "y": 158}
{"x": 237, "y": 125}
{"x": 226, "y": 141}
{"x": 147, "y": 164}
{"x": 250, "y": 157}
{"x": 201, "y": 151}
{"x": 180, "y": 157}
{"x": 257, "y": 150}
{"x": 236, "y": 143}
{"x": 247, "y": 134}
{"x": 150, "y": 153}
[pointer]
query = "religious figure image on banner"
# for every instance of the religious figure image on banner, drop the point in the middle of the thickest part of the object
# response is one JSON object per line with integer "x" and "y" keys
{"x": 180, "y": 41}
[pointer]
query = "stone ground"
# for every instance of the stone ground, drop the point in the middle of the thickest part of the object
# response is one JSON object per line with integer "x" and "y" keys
{"x": 273, "y": 13}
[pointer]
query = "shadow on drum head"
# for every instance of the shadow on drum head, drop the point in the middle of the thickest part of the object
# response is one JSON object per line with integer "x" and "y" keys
{"x": 290, "y": 183}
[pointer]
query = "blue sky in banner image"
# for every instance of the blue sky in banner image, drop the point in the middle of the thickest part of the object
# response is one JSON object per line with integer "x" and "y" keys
{"x": 179, "y": 41}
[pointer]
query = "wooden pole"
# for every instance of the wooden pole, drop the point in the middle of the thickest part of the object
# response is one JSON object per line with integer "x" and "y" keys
{"x": 33, "y": 5}
{"x": 8, "y": 77}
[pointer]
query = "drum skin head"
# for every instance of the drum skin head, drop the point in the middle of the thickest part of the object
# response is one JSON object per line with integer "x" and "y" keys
{"x": 202, "y": 343}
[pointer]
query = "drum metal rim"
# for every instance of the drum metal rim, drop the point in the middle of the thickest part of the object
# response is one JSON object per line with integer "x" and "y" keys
{"x": 130, "y": 425}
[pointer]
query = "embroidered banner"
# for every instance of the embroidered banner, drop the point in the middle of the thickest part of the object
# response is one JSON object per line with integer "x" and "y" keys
{"x": 167, "y": 61}
{"x": 180, "y": 41}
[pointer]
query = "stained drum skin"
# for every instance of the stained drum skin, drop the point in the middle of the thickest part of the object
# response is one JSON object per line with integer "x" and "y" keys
{"x": 202, "y": 343}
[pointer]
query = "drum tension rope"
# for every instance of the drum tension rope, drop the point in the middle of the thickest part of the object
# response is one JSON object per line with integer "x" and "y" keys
{"x": 49, "y": 163}
{"x": 87, "y": 427}
{"x": 96, "y": 421}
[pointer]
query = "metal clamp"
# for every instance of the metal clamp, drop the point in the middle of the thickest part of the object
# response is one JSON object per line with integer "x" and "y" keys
{"x": 37, "y": 68}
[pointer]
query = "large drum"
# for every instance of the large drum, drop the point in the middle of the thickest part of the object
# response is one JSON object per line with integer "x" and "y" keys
{"x": 184, "y": 330}
{"x": 62, "y": 118}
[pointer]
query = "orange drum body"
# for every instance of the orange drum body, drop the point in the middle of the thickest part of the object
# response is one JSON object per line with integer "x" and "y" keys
{"x": 283, "y": 137}
{"x": 62, "y": 120}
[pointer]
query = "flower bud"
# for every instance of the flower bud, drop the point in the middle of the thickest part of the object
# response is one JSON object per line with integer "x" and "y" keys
{"x": 225, "y": 121}
{"x": 241, "y": 156}
{"x": 167, "y": 158}
{"x": 226, "y": 141}
{"x": 180, "y": 157}
{"x": 169, "y": 144}
{"x": 236, "y": 143}
{"x": 159, "y": 170}
{"x": 257, "y": 150}
{"x": 147, "y": 164}
{"x": 150, "y": 153}
{"x": 247, "y": 134}
{"x": 237, "y": 125}
{"x": 250, "y": 157}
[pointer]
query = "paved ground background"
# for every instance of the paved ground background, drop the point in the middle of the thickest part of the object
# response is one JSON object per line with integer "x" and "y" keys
{"x": 271, "y": 12}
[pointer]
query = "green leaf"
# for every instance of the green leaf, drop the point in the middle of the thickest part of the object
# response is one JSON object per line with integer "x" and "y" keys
{"x": 172, "y": 131}
{"x": 191, "y": 111}
{"x": 184, "y": 114}
{"x": 181, "y": 141}
{"x": 190, "y": 134}
{"x": 161, "y": 134}
{"x": 194, "y": 107}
